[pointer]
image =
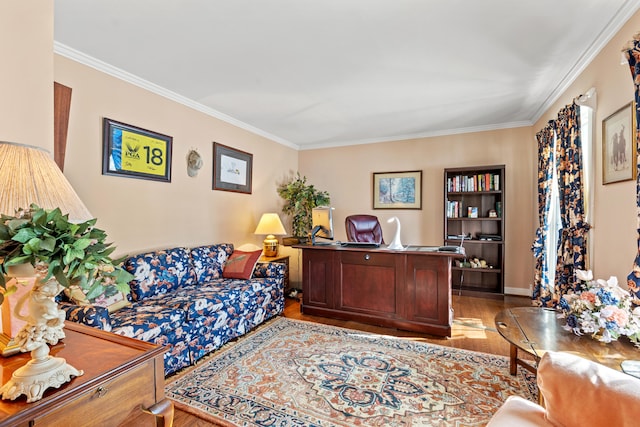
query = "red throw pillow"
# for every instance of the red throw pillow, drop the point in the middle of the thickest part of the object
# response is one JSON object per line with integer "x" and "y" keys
{"x": 240, "y": 264}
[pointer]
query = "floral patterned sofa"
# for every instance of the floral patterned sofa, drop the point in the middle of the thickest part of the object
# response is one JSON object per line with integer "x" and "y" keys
{"x": 190, "y": 300}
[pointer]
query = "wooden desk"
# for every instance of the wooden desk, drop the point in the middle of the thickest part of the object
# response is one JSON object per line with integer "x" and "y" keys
{"x": 409, "y": 289}
{"x": 538, "y": 330}
{"x": 123, "y": 379}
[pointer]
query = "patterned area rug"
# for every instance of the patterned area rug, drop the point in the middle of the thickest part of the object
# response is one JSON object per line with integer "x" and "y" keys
{"x": 295, "y": 373}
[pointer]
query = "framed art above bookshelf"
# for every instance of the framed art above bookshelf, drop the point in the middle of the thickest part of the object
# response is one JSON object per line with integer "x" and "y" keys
{"x": 474, "y": 205}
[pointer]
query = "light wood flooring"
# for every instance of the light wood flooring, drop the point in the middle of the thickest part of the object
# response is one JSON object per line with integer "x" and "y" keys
{"x": 473, "y": 329}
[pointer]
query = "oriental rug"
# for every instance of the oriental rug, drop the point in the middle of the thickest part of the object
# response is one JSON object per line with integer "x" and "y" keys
{"x": 296, "y": 373}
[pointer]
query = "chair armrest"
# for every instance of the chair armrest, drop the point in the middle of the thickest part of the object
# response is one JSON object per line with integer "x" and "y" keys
{"x": 520, "y": 412}
{"x": 90, "y": 315}
{"x": 269, "y": 269}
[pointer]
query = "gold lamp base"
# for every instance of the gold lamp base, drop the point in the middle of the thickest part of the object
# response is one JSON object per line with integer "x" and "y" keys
{"x": 8, "y": 345}
{"x": 270, "y": 246}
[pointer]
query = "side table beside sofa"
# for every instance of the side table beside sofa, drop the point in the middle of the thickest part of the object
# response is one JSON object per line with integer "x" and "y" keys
{"x": 122, "y": 384}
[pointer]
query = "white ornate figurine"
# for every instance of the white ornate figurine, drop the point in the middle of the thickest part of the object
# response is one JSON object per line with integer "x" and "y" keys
{"x": 44, "y": 326}
{"x": 44, "y": 321}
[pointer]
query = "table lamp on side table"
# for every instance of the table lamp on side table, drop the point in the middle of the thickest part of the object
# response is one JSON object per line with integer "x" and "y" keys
{"x": 29, "y": 175}
{"x": 270, "y": 225}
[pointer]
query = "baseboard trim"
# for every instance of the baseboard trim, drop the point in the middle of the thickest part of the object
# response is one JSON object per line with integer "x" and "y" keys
{"x": 517, "y": 291}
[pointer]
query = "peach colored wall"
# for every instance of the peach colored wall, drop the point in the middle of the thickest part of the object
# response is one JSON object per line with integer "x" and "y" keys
{"x": 614, "y": 221}
{"x": 347, "y": 174}
{"x": 26, "y": 74}
{"x": 141, "y": 214}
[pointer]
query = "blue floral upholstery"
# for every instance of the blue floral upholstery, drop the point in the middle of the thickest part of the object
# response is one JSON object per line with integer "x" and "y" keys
{"x": 208, "y": 261}
{"x": 159, "y": 272}
{"x": 90, "y": 315}
{"x": 150, "y": 321}
{"x": 245, "y": 304}
{"x": 268, "y": 269}
{"x": 180, "y": 300}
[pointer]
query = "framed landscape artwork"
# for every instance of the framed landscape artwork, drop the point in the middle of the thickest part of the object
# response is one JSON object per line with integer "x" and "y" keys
{"x": 397, "y": 190}
{"x": 134, "y": 152}
{"x": 618, "y": 140}
{"x": 232, "y": 169}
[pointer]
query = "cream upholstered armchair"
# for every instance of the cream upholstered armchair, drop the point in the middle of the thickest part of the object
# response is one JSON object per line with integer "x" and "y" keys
{"x": 576, "y": 392}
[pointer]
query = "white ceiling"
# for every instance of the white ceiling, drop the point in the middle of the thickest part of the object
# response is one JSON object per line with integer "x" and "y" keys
{"x": 318, "y": 73}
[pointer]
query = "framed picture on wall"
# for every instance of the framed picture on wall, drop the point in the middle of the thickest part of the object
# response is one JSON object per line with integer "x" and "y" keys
{"x": 134, "y": 152}
{"x": 397, "y": 190}
{"x": 232, "y": 169}
{"x": 618, "y": 140}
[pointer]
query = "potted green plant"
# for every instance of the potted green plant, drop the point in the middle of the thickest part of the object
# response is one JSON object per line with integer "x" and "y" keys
{"x": 75, "y": 254}
{"x": 63, "y": 254}
{"x": 300, "y": 199}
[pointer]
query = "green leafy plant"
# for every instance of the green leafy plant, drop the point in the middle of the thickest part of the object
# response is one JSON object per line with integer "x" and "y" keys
{"x": 300, "y": 199}
{"x": 75, "y": 254}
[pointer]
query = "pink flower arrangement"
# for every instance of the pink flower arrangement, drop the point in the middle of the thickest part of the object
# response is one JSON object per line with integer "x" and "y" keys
{"x": 601, "y": 309}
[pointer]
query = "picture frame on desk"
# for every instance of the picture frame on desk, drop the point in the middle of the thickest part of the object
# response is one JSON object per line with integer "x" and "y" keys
{"x": 618, "y": 141}
{"x": 397, "y": 190}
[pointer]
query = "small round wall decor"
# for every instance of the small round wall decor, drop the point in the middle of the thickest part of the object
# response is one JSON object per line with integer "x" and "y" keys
{"x": 194, "y": 162}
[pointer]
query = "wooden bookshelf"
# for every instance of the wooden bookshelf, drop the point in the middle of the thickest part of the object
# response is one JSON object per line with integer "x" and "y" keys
{"x": 474, "y": 202}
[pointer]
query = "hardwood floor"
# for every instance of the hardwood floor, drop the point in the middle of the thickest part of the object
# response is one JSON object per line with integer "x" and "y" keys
{"x": 473, "y": 329}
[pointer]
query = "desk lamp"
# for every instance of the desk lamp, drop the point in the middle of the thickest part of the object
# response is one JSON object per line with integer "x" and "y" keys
{"x": 395, "y": 244}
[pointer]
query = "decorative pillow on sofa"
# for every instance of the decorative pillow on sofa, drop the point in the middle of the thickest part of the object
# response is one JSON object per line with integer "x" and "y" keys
{"x": 159, "y": 272}
{"x": 208, "y": 261}
{"x": 240, "y": 264}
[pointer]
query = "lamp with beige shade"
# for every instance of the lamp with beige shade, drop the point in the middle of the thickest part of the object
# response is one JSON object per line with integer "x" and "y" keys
{"x": 30, "y": 178}
{"x": 270, "y": 225}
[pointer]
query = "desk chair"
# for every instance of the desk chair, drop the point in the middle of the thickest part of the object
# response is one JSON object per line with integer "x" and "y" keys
{"x": 364, "y": 228}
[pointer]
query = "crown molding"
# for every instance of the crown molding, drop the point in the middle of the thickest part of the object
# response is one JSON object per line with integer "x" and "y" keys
{"x": 89, "y": 61}
{"x": 625, "y": 13}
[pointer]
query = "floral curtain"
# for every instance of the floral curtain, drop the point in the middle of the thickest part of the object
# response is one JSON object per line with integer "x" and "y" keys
{"x": 572, "y": 240}
{"x": 545, "y": 175}
{"x": 632, "y": 52}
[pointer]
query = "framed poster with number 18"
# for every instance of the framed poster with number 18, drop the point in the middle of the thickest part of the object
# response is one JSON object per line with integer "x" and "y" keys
{"x": 135, "y": 153}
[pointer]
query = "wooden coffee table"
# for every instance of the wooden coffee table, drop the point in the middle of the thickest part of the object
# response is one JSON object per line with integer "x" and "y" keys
{"x": 538, "y": 330}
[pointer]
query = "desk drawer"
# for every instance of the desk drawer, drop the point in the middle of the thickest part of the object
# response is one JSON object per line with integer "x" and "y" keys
{"x": 112, "y": 403}
{"x": 370, "y": 283}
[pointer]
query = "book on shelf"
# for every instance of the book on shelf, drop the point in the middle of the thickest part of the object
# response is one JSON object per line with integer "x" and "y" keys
{"x": 473, "y": 183}
{"x": 454, "y": 209}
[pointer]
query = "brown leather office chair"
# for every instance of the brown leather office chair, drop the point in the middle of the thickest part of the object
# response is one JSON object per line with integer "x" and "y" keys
{"x": 364, "y": 228}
